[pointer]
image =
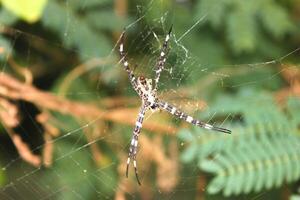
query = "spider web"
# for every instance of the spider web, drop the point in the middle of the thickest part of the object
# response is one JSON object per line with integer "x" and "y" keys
{"x": 183, "y": 69}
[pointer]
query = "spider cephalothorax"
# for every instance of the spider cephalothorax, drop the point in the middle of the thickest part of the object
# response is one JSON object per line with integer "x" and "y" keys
{"x": 144, "y": 87}
{"x": 146, "y": 92}
{"x": 144, "y": 84}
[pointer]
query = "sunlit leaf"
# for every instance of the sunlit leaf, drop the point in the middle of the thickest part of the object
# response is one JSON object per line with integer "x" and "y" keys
{"x": 28, "y": 10}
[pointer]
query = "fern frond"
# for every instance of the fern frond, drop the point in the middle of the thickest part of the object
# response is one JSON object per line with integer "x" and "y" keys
{"x": 242, "y": 27}
{"x": 263, "y": 149}
{"x": 259, "y": 164}
{"x": 270, "y": 13}
{"x": 213, "y": 9}
{"x": 293, "y": 110}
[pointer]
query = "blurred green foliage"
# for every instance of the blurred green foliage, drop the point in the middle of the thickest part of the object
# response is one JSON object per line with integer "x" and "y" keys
{"x": 2, "y": 178}
{"x": 263, "y": 151}
{"x": 90, "y": 41}
{"x": 246, "y": 22}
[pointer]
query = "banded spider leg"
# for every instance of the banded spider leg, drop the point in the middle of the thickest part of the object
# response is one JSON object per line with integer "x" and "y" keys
{"x": 181, "y": 115}
{"x": 126, "y": 63}
{"x": 134, "y": 143}
{"x": 162, "y": 59}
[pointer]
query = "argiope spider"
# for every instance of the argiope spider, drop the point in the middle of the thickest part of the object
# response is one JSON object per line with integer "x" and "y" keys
{"x": 148, "y": 94}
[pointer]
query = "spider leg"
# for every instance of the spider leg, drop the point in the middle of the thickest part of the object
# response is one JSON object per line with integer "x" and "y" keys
{"x": 162, "y": 59}
{"x": 126, "y": 63}
{"x": 181, "y": 115}
{"x": 134, "y": 143}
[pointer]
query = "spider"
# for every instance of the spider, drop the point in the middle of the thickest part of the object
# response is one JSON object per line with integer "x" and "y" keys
{"x": 148, "y": 94}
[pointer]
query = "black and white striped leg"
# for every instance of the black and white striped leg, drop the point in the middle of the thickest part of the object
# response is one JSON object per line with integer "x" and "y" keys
{"x": 162, "y": 59}
{"x": 181, "y": 115}
{"x": 126, "y": 63}
{"x": 134, "y": 143}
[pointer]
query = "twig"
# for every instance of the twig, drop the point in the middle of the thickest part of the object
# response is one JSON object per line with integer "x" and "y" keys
{"x": 21, "y": 70}
{"x": 13, "y": 89}
{"x": 291, "y": 74}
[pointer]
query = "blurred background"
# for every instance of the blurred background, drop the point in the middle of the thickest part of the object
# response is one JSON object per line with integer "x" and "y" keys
{"x": 67, "y": 109}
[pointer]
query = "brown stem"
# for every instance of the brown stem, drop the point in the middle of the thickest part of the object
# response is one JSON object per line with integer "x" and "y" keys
{"x": 13, "y": 89}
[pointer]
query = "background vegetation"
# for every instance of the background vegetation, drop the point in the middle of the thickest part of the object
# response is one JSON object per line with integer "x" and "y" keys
{"x": 67, "y": 110}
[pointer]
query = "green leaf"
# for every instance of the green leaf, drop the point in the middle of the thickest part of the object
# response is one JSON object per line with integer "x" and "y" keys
{"x": 79, "y": 4}
{"x": 242, "y": 28}
{"x": 97, "y": 18}
{"x": 214, "y": 10}
{"x": 209, "y": 166}
{"x": 243, "y": 21}
{"x": 216, "y": 185}
{"x": 7, "y": 17}
{"x": 5, "y": 48}
{"x": 295, "y": 197}
{"x": 88, "y": 41}
{"x": 189, "y": 154}
{"x": 74, "y": 168}
{"x": 271, "y": 13}
{"x": 293, "y": 108}
{"x": 2, "y": 177}
{"x": 28, "y": 10}
{"x": 185, "y": 135}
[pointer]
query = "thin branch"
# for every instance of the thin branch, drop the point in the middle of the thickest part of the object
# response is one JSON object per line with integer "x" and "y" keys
{"x": 13, "y": 89}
